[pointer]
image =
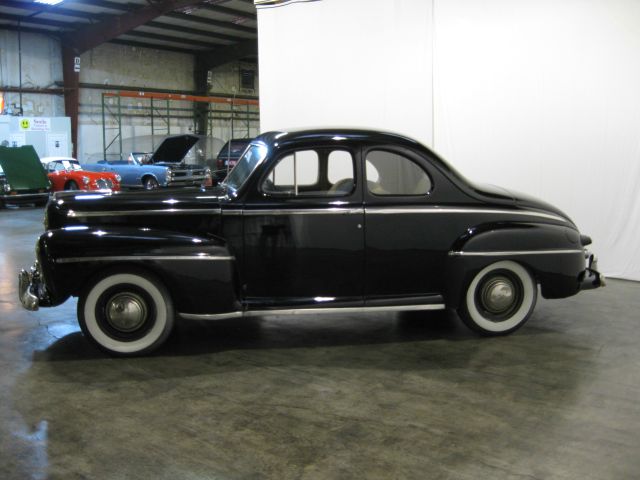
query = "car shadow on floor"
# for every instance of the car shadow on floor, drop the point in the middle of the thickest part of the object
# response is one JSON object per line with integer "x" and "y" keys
{"x": 195, "y": 338}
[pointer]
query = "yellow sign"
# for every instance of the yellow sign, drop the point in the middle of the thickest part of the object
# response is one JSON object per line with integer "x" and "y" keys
{"x": 24, "y": 124}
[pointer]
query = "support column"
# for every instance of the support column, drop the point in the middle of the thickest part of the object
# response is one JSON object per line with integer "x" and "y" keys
{"x": 200, "y": 109}
{"x": 71, "y": 93}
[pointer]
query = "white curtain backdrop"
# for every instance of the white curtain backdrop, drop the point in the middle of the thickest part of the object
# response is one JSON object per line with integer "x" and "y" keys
{"x": 541, "y": 96}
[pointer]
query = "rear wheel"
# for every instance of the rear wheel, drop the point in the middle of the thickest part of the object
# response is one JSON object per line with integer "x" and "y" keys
{"x": 499, "y": 299}
{"x": 126, "y": 313}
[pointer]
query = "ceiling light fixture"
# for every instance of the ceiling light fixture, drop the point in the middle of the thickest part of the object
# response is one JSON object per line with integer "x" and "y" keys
{"x": 48, "y": 2}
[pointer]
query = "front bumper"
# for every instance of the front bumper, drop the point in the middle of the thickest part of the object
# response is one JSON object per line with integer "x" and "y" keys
{"x": 591, "y": 277}
{"x": 24, "y": 197}
{"x": 31, "y": 289}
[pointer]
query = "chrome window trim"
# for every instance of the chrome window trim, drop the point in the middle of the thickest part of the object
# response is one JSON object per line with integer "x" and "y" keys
{"x": 122, "y": 213}
{"x": 120, "y": 258}
{"x": 529, "y": 213}
{"x": 307, "y": 311}
{"x": 513, "y": 252}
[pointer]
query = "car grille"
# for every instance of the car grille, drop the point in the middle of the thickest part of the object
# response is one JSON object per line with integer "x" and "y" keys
{"x": 104, "y": 183}
{"x": 187, "y": 173}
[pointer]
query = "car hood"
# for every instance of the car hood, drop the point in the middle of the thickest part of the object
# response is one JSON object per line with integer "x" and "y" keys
{"x": 174, "y": 149}
{"x": 143, "y": 209}
{"x": 22, "y": 168}
{"x": 518, "y": 198}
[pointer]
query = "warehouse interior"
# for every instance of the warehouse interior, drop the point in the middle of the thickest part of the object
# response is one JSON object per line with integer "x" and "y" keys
{"x": 538, "y": 97}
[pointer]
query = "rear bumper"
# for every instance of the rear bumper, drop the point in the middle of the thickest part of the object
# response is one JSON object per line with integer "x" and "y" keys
{"x": 591, "y": 278}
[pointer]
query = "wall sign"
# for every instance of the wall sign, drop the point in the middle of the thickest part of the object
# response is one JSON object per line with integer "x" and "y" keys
{"x": 76, "y": 64}
{"x": 35, "y": 124}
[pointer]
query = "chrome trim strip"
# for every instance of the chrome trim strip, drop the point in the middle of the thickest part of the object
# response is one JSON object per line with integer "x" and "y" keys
{"x": 216, "y": 316}
{"x": 235, "y": 211}
{"x": 120, "y": 258}
{"x": 529, "y": 213}
{"x": 305, "y": 211}
{"x": 24, "y": 195}
{"x": 303, "y": 311}
{"x": 124, "y": 213}
{"x": 514, "y": 252}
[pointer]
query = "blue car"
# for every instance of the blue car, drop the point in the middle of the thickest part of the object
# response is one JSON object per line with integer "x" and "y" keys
{"x": 162, "y": 168}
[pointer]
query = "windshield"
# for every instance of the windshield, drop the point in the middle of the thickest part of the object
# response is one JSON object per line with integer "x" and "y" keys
{"x": 252, "y": 157}
{"x": 71, "y": 165}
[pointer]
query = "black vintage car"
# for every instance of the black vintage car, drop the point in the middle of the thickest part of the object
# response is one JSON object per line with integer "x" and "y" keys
{"x": 307, "y": 222}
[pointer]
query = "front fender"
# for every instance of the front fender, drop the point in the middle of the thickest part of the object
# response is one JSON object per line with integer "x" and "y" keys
{"x": 199, "y": 272}
{"x": 552, "y": 253}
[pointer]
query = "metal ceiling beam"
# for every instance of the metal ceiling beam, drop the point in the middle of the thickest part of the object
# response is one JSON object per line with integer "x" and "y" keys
{"x": 128, "y": 7}
{"x": 230, "y": 11}
{"x": 41, "y": 31}
{"x": 193, "y": 31}
{"x": 41, "y": 8}
{"x": 91, "y": 36}
{"x": 230, "y": 53}
{"x": 37, "y": 9}
{"x": 36, "y": 21}
{"x": 210, "y": 21}
{"x": 168, "y": 48}
{"x": 169, "y": 38}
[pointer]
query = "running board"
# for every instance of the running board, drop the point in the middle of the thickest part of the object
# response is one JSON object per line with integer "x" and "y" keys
{"x": 307, "y": 311}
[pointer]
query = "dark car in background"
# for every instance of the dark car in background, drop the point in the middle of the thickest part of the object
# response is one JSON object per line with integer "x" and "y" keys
{"x": 23, "y": 179}
{"x": 228, "y": 156}
{"x": 308, "y": 222}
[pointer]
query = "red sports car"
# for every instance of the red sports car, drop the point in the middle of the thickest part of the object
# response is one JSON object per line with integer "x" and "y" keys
{"x": 67, "y": 174}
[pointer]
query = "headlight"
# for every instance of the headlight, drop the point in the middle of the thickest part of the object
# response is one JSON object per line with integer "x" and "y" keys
{"x": 7, "y": 187}
{"x": 118, "y": 177}
{"x": 85, "y": 180}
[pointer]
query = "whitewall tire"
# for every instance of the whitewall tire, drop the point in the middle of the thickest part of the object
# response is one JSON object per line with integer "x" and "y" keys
{"x": 499, "y": 299}
{"x": 126, "y": 313}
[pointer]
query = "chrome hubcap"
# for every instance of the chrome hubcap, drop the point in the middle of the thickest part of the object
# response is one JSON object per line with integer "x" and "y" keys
{"x": 126, "y": 311}
{"x": 498, "y": 295}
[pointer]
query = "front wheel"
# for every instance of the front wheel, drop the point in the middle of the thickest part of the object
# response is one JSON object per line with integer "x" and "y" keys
{"x": 499, "y": 299}
{"x": 150, "y": 183}
{"x": 126, "y": 313}
{"x": 71, "y": 185}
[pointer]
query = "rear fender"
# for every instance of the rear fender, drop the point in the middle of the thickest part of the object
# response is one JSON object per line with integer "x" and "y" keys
{"x": 553, "y": 254}
{"x": 199, "y": 272}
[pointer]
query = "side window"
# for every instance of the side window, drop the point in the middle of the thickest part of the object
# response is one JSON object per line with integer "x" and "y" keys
{"x": 340, "y": 173}
{"x": 390, "y": 173}
{"x": 296, "y": 170}
{"x": 312, "y": 173}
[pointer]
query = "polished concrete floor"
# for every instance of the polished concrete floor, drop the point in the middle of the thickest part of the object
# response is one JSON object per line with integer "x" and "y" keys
{"x": 378, "y": 397}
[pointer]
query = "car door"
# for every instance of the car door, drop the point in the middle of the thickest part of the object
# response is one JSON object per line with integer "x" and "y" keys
{"x": 303, "y": 231}
{"x": 404, "y": 254}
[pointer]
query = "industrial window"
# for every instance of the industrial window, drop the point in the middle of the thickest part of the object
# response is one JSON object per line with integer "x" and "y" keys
{"x": 247, "y": 79}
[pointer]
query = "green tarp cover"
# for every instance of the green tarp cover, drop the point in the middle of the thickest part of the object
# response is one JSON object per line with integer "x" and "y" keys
{"x": 22, "y": 168}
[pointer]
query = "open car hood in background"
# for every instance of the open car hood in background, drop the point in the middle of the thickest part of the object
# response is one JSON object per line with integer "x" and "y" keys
{"x": 174, "y": 149}
{"x": 22, "y": 168}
